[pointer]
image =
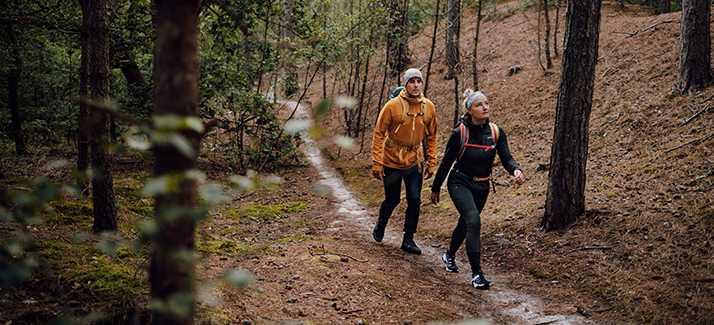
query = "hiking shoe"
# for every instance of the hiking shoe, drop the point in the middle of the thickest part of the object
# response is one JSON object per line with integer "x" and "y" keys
{"x": 409, "y": 246}
{"x": 378, "y": 232}
{"x": 450, "y": 261}
{"x": 479, "y": 281}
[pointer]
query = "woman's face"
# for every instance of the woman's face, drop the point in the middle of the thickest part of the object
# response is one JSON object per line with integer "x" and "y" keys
{"x": 479, "y": 108}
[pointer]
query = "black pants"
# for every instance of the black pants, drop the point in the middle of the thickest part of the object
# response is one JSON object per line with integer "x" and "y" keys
{"x": 392, "y": 189}
{"x": 469, "y": 198}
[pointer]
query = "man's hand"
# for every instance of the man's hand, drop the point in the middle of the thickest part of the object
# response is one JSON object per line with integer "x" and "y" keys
{"x": 428, "y": 175}
{"x": 378, "y": 174}
{"x": 518, "y": 177}
{"x": 434, "y": 198}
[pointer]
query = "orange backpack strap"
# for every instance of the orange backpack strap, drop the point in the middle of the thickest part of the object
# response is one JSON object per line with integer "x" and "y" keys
{"x": 494, "y": 132}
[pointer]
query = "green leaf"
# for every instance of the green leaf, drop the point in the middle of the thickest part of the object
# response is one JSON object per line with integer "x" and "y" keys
{"x": 238, "y": 279}
{"x": 322, "y": 108}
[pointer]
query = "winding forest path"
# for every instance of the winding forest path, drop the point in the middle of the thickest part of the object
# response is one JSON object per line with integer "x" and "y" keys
{"x": 502, "y": 304}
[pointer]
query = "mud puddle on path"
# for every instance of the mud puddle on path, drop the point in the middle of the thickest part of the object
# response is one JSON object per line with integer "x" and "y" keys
{"x": 520, "y": 307}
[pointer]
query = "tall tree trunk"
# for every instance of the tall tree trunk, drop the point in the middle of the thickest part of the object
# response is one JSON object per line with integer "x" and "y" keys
{"x": 13, "y": 92}
{"x": 384, "y": 82}
{"x": 83, "y": 114}
{"x": 555, "y": 29}
{"x": 456, "y": 99}
{"x": 138, "y": 92}
{"x": 105, "y": 214}
{"x": 287, "y": 37}
{"x": 453, "y": 23}
{"x": 397, "y": 35}
{"x": 565, "y": 199}
{"x": 474, "y": 69}
{"x": 172, "y": 268}
{"x": 695, "y": 71}
{"x": 433, "y": 45}
{"x": 665, "y": 7}
{"x": 548, "y": 62}
{"x": 358, "y": 126}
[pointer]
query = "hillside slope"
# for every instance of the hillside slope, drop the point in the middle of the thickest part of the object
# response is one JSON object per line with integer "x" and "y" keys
{"x": 643, "y": 250}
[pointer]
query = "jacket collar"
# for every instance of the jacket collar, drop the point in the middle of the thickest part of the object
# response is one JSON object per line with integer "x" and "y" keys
{"x": 411, "y": 100}
{"x": 466, "y": 119}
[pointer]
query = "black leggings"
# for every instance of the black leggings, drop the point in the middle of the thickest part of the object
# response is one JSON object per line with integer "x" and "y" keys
{"x": 469, "y": 198}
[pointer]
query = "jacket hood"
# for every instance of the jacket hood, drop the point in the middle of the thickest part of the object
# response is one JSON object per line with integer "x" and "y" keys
{"x": 404, "y": 94}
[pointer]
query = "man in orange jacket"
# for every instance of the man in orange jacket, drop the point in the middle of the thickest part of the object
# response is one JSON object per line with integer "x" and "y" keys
{"x": 397, "y": 154}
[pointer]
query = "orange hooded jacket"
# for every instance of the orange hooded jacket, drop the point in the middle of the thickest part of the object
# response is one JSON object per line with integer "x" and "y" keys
{"x": 398, "y": 145}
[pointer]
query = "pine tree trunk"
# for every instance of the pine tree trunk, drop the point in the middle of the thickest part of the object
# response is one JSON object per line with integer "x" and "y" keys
{"x": 474, "y": 70}
{"x": 565, "y": 199}
{"x": 83, "y": 114}
{"x": 453, "y": 21}
{"x": 287, "y": 38}
{"x": 665, "y": 7}
{"x": 13, "y": 92}
{"x": 170, "y": 275}
{"x": 548, "y": 61}
{"x": 694, "y": 47}
{"x": 105, "y": 215}
{"x": 433, "y": 45}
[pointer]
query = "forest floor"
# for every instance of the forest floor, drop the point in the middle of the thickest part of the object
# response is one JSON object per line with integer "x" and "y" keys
{"x": 641, "y": 254}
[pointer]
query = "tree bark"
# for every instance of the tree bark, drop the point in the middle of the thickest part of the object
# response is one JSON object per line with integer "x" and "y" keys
{"x": 555, "y": 29}
{"x": 453, "y": 23}
{"x": 83, "y": 114}
{"x": 548, "y": 61}
{"x": 695, "y": 71}
{"x": 665, "y": 7}
{"x": 398, "y": 55}
{"x": 287, "y": 37}
{"x": 105, "y": 215}
{"x": 565, "y": 199}
{"x": 433, "y": 45}
{"x": 170, "y": 275}
{"x": 475, "y": 53}
{"x": 139, "y": 92}
{"x": 13, "y": 92}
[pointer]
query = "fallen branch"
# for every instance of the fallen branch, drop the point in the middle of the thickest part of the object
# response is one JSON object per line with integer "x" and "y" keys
{"x": 695, "y": 115}
{"x": 695, "y": 140}
{"x": 661, "y": 22}
{"x": 617, "y": 65}
{"x": 645, "y": 29}
{"x": 325, "y": 252}
{"x": 588, "y": 248}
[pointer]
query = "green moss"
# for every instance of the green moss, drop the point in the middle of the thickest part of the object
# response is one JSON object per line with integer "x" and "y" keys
{"x": 263, "y": 213}
{"x": 94, "y": 277}
{"x": 70, "y": 215}
{"x": 231, "y": 247}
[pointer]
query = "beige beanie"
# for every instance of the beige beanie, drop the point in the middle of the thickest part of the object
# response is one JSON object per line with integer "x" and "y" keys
{"x": 409, "y": 75}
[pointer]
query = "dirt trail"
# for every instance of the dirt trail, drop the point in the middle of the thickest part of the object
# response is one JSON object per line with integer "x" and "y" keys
{"x": 352, "y": 217}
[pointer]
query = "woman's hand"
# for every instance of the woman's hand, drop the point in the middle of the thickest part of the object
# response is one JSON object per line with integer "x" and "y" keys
{"x": 518, "y": 177}
{"x": 434, "y": 198}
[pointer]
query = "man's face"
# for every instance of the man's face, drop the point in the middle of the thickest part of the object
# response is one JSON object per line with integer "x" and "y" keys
{"x": 414, "y": 87}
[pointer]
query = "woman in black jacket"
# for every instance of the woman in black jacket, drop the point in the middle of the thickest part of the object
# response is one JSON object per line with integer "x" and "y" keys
{"x": 468, "y": 160}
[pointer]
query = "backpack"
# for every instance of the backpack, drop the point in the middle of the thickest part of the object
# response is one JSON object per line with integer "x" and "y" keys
{"x": 464, "y": 132}
{"x": 405, "y": 107}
